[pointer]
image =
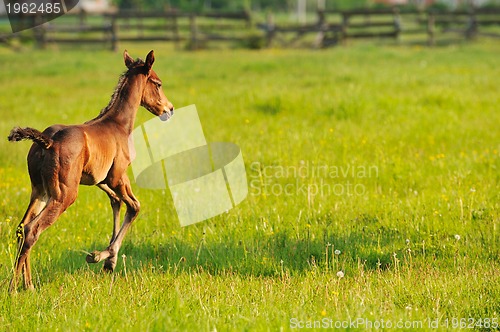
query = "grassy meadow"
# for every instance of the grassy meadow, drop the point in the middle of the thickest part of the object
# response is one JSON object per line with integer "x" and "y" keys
{"x": 373, "y": 172}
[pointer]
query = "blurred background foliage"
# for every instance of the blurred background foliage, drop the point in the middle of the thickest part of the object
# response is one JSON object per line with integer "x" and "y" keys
{"x": 288, "y": 5}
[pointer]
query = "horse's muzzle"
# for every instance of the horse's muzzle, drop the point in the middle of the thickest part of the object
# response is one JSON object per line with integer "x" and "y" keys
{"x": 167, "y": 113}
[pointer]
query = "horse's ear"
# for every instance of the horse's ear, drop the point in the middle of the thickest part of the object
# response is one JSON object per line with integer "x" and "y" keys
{"x": 128, "y": 59}
{"x": 150, "y": 59}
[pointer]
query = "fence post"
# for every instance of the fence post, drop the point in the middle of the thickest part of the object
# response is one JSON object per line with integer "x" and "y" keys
{"x": 270, "y": 29}
{"x": 140, "y": 27}
{"x": 321, "y": 17}
{"x": 114, "y": 34}
{"x": 39, "y": 33}
{"x": 344, "y": 26}
{"x": 471, "y": 30}
{"x": 322, "y": 28}
{"x": 194, "y": 32}
{"x": 431, "y": 26}
{"x": 248, "y": 18}
{"x": 82, "y": 15}
{"x": 397, "y": 23}
{"x": 175, "y": 29}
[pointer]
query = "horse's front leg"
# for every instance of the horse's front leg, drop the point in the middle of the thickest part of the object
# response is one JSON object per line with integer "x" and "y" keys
{"x": 124, "y": 192}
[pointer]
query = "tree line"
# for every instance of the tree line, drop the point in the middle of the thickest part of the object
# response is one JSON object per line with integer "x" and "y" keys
{"x": 277, "y": 5}
{"x": 234, "y": 5}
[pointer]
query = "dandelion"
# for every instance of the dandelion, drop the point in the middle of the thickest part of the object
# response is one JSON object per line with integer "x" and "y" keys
{"x": 407, "y": 242}
{"x": 323, "y": 313}
{"x": 457, "y": 237}
{"x": 337, "y": 252}
{"x": 340, "y": 274}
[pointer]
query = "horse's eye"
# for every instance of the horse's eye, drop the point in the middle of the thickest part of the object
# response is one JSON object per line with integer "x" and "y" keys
{"x": 157, "y": 83}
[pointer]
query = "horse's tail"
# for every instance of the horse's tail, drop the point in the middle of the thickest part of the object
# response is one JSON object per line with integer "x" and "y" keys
{"x": 19, "y": 134}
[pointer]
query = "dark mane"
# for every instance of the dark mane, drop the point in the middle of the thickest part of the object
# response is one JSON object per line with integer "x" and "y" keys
{"x": 114, "y": 97}
{"x": 116, "y": 93}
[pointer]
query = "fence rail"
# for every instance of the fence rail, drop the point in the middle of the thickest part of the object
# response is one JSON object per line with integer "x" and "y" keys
{"x": 338, "y": 27}
{"x": 197, "y": 30}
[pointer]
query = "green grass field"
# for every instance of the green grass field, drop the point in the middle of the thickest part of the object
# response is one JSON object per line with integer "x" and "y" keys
{"x": 373, "y": 173}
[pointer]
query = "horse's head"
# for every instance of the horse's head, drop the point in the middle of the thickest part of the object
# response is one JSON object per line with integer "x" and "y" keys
{"x": 153, "y": 98}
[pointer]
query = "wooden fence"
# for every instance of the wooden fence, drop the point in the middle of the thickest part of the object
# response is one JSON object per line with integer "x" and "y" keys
{"x": 338, "y": 27}
{"x": 194, "y": 29}
{"x": 197, "y": 30}
{"x": 469, "y": 24}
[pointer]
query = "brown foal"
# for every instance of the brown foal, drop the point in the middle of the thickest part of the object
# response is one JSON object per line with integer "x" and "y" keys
{"x": 94, "y": 153}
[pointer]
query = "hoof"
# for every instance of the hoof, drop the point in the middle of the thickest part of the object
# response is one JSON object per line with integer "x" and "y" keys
{"x": 108, "y": 267}
{"x": 12, "y": 288}
{"x": 93, "y": 257}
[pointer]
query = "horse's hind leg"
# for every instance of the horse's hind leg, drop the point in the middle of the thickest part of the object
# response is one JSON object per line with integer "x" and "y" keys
{"x": 37, "y": 203}
{"x": 32, "y": 230}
